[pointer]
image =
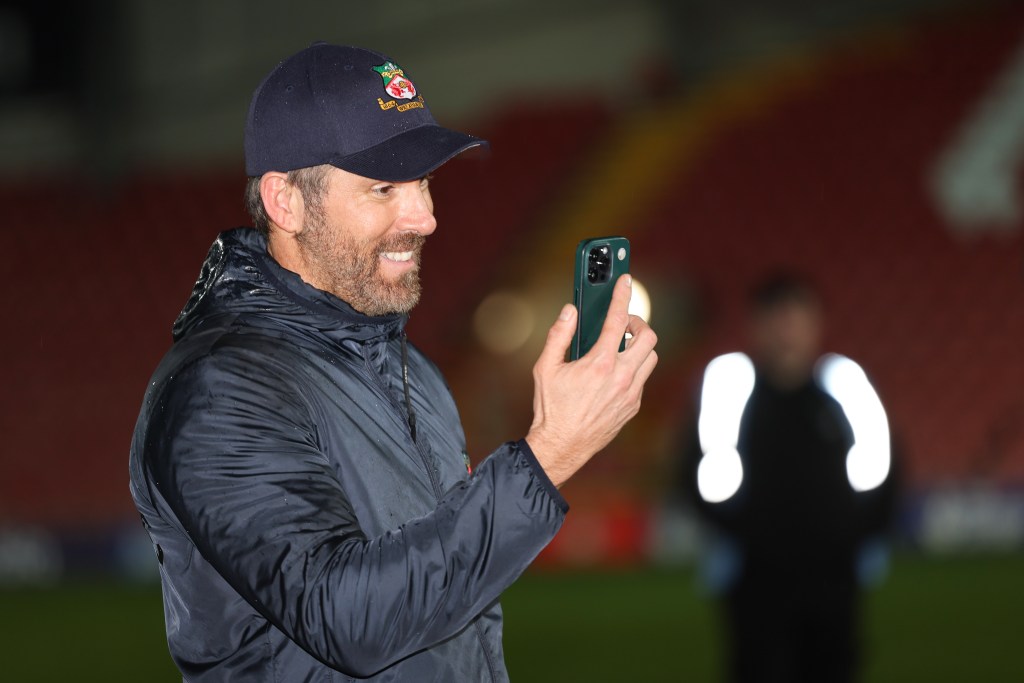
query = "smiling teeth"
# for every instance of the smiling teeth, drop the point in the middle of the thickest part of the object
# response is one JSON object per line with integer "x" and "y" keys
{"x": 397, "y": 255}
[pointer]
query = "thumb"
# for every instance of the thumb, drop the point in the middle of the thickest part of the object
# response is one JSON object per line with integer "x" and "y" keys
{"x": 559, "y": 337}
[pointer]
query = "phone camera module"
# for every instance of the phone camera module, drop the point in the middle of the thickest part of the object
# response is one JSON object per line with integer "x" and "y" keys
{"x": 599, "y": 265}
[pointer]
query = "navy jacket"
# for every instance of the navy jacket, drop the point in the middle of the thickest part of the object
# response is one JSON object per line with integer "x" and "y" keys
{"x": 302, "y": 533}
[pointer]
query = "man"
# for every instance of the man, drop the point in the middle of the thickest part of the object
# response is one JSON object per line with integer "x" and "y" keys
{"x": 790, "y": 467}
{"x": 300, "y": 468}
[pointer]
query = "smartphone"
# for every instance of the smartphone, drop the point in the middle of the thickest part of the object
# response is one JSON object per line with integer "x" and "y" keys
{"x": 599, "y": 263}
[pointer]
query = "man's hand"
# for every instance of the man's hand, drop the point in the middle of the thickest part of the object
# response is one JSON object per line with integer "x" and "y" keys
{"x": 579, "y": 407}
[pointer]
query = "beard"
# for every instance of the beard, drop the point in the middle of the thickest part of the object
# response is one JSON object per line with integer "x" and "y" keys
{"x": 351, "y": 270}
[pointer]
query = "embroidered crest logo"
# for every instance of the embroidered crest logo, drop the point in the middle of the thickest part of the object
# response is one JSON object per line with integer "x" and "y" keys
{"x": 395, "y": 82}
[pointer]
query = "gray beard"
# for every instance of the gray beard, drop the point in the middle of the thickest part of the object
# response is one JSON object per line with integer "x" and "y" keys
{"x": 351, "y": 271}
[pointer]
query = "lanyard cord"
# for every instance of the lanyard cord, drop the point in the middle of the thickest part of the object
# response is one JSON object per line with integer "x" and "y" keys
{"x": 405, "y": 387}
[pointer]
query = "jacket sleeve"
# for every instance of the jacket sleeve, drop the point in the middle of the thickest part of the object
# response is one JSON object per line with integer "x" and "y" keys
{"x": 232, "y": 451}
{"x": 726, "y": 516}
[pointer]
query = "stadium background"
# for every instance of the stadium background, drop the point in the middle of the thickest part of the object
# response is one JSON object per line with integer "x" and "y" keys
{"x": 876, "y": 146}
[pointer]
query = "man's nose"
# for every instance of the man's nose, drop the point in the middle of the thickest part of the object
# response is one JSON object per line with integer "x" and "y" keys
{"x": 417, "y": 211}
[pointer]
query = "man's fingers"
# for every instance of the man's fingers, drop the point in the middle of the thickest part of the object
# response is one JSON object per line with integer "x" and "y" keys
{"x": 559, "y": 337}
{"x": 617, "y": 319}
{"x": 642, "y": 337}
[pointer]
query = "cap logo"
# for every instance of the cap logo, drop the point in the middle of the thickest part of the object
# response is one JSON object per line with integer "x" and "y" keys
{"x": 395, "y": 82}
{"x": 397, "y": 86}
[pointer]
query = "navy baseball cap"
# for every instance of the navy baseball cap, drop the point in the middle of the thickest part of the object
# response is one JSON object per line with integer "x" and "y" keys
{"x": 349, "y": 107}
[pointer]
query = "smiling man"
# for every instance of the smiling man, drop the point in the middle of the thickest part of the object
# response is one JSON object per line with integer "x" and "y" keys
{"x": 301, "y": 469}
{"x": 361, "y": 240}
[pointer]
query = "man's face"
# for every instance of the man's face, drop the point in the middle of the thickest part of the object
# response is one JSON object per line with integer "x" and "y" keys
{"x": 787, "y": 338}
{"x": 364, "y": 242}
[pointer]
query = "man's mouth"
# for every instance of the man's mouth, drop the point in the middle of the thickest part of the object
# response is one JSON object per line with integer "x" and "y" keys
{"x": 397, "y": 256}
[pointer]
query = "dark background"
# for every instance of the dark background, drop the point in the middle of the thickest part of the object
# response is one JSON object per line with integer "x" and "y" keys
{"x": 874, "y": 145}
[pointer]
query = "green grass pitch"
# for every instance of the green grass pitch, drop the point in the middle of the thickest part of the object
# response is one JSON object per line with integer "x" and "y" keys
{"x": 937, "y": 619}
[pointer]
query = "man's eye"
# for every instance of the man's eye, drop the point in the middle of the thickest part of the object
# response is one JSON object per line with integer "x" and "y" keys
{"x": 382, "y": 190}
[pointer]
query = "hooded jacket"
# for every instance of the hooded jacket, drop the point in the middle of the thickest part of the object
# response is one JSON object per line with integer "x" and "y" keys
{"x": 304, "y": 531}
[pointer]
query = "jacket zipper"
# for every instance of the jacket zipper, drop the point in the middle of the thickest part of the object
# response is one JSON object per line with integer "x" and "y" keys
{"x": 434, "y": 483}
{"x": 424, "y": 457}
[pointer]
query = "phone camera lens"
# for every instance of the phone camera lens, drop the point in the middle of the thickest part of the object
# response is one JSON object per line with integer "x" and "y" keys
{"x": 599, "y": 264}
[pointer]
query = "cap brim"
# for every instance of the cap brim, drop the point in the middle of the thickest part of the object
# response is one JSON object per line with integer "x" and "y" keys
{"x": 410, "y": 155}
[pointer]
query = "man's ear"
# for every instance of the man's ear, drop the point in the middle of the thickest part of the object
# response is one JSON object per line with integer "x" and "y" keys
{"x": 283, "y": 202}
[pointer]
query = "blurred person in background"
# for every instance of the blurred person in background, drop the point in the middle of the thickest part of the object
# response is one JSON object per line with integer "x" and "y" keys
{"x": 300, "y": 468}
{"x": 790, "y": 469}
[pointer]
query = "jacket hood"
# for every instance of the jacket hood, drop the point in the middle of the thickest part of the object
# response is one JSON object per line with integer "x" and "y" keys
{"x": 240, "y": 277}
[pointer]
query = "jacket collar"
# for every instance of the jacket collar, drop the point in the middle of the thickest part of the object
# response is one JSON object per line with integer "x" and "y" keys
{"x": 239, "y": 276}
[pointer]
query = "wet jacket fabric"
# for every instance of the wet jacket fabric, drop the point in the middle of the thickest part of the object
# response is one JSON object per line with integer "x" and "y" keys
{"x": 302, "y": 533}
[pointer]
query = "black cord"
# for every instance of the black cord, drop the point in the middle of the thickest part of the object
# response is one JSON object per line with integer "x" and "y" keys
{"x": 405, "y": 386}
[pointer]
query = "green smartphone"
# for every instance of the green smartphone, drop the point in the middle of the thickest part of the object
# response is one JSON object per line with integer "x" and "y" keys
{"x": 599, "y": 263}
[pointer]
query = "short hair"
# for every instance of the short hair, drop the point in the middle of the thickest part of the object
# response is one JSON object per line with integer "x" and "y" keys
{"x": 783, "y": 287}
{"x": 312, "y": 184}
